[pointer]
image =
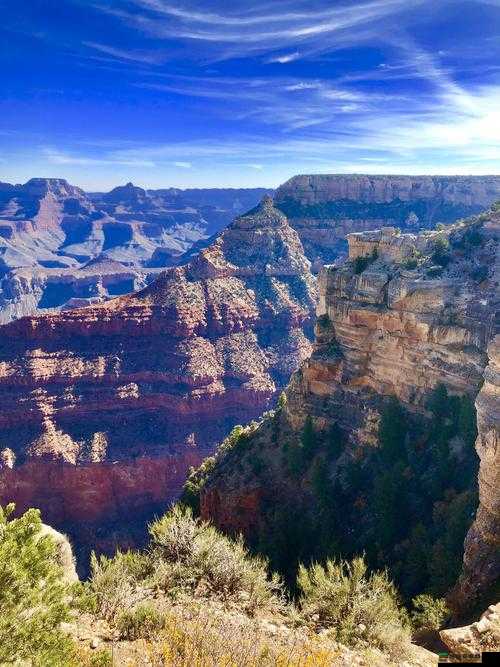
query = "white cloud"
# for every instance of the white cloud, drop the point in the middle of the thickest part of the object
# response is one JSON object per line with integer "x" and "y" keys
{"x": 241, "y": 30}
{"x": 57, "y": 157}
{"x": 286, "y": 58}
{"x": 183, "y": 165}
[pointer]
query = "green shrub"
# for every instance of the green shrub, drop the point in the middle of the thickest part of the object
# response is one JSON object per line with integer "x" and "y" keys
{"x": 360, "y": 608}
{"x": 429, "y": 613}
{"x": 440, "y": 254}
{"x": 410, "y": 263}
{"x": 140, "y": 623}
{"x": 197, "y": 557}
{"x": 323, "y": 321}
{"x": 195, "y": 482}
{"x": 113, "y": 582}
{"x": 33, "y": 597}
{"x": 362, "y": 263}
{"x": 101, "y": 658}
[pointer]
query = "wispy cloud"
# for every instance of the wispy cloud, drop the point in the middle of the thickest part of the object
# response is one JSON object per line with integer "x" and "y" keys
{"x": 55, "y": 156}
{"x": 243, "y": 30}
{"x": 151, "y": 58}
{"x": 183, "y": 165}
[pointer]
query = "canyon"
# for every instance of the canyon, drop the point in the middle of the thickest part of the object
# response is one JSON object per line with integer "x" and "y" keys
{"x": 325, "y": 208}
{"x": 405, "y": 339}
{"x": 63, "y": 248}
{"x": 105, "y": 408}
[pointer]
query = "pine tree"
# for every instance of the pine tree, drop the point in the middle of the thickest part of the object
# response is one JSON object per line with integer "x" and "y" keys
{"x": 334, "y": 441}
{"x": 33, "y": 598}
{"x": 308, "y": 439}
{"x": 467, "y": 421}
{"x": 392, "y": 432}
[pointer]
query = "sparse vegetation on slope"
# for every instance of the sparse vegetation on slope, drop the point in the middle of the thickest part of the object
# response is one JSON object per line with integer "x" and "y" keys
{"x": 192, "y": 598}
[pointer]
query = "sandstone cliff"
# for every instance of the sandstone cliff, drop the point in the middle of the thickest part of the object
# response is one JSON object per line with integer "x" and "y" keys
{"x": 325, "y": 208}
{"x": 342, "y": 467}
{"x": 105, "y": 408}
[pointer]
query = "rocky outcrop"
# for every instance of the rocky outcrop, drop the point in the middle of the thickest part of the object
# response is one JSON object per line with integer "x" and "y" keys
{"x": 405, "y": 316}
{"x": 325, "y": 208}
{"x": 51, "y": 232}
{"x": 64, "y": 553}
{"x": 26, "y": 291}
{"x": 472, "y": 640}
{"x": 105, "y": 408}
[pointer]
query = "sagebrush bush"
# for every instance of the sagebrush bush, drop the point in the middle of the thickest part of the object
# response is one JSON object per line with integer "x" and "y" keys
{"x": 33, "y": 596}
{"x": 207, "y": 639}
{"x": 360, "y": 608}
{"x": 191, "y": 553}
{"x": 113, "y": 584}
{"x": 429, "y": 613}
{"x": 142, "y": 622}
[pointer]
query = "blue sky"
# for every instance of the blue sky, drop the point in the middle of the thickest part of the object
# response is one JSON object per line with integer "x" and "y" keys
{"x": 232, "y": 93}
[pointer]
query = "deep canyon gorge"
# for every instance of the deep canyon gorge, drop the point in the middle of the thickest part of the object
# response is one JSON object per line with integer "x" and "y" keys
{"x": 105, "y": 408}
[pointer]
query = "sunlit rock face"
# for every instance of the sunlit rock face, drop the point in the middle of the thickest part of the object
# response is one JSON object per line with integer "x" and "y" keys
{"x": 391, "y": 323}
{"x": 324, "y": 209}
{"x": 105, "y": 408}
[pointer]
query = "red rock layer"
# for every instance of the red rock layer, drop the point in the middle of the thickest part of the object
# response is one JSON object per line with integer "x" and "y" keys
{"x": 104, "y": 408}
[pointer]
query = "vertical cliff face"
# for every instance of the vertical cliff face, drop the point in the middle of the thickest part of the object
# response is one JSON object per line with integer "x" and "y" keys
{"x": 481, "y": 571}
{"x": 105, "y": 408}
{"x": 372, "y": 450}
{"x": 325, "y": 208}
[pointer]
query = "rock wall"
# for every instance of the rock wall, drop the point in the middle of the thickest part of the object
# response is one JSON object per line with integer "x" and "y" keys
{"x": 395, "y": 324}
{"x": 324, "y": 209}
{"x": 104, "y": 408}
{"x": 481, "y": 570}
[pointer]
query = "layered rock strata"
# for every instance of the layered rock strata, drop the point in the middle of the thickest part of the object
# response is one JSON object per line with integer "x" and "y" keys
{"x": 405, "y": 314}
{"x": 105, "y": 408}
{"x": 325, "y": 208}
{"x": 481, "y": 570}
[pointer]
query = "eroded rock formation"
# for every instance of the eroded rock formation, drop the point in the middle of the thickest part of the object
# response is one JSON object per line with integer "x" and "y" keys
{"x": 325, "y": 208}
{"x": 482, "y": 546}
{"x": 61, "y": 247}
{"x": 406, "y": 315}
{"x": 105, "y": 408}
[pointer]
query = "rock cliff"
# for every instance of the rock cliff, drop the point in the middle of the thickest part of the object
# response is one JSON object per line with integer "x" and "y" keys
{"x": 105, "y": 408}
{"x": 372, "y": 447}
{"x": 482, "y": 546}
{"x": 51, "y": 230}
{"x": 325, "y": 208}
